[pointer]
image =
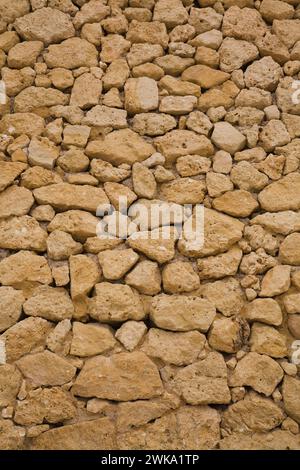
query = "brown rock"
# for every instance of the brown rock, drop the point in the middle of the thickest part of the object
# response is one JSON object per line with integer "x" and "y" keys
{"x": 204, "y": 76}
{"x": 121, "y": 146}
{"x": 267, "y": 340}
{"x": 228, "y": 334}
{"x": 10, "y": 380}
{"x": 116, "y": 263}
{"x": 258, "y": 371}
{"x": 263, "y": 310}
{"x": 204, "y": 382}
{"x": 104, "y": 377}
{"x": 64, "y": 196}
{"x": 46, "y": 369}
{"x": 178, "y": 277}
{"x": 173, "y": 348}
{"x": 226, "y": 295}
{"x": 182, "y": 313}
{"x": 91, "y": 339}
{"x": 71, "y": 54}
{"x": 276, "y": 281}
{"x": 11, "y": 302}
{"x": 52, "y": 303}
{"x": 22, "y": 233}
{"x": 290, "y": 392}
{"x": 115, "y": 302}
{"x": 145, "y": 277}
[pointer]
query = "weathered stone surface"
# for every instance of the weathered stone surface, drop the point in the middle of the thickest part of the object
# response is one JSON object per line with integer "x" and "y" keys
{"x": 263, "y": 310}
{"x": 116, "y": 263}
{"x": 145, "y": 277}
{"x": 220, "y": 233}
{"x": 23, "y": 267}
{"x": 228, "y": 334}
{"x": 22, "y": 123}
{"x": 52, "y": 303}
{"x": 35, "y": 97}
{"x": 282, "y": 195}
{"x": 216, "y": 267}
{"x": 204, "y": 382}
{"x": 103, "y": 377}
{"x": 46, "y": 369}
{"x": 180, "y": 313}
{"x": 115, "y": 302}
{"x": 11, "y": 302}
{"x": 290, "y": 250}
{"x": 91, "y": 339}
{"x": 121, "y": 146}
{"x": 87, "y": 435}
{"x": 228, "y": 138}
{"x": 25, "y": 336}
{"x": 10, "y": 380}
{"x": 22, "y": 233}
{"x": 276, "y": 281}
{"x": 258, "y": 371}
{"x": 64, "y": 196}
{"x": 15, "y": 201}
{"x": 226, "y": 295}
{"x": 267, "y": 340}
{"x": 254, "y": 412}
{"x": 173, "y": 348}
{"x": 71, "y": 54}
{"x": 80, "y": 224}
{"x": 290, "y": 391}
{"x": 45, "y": 24}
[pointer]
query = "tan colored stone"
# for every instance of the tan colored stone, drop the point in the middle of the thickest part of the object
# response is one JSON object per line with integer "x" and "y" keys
{"x": 281, "y": 195}
{"x": 103, "y": 116}
{"x": 86, "y": 435}
{"x": 9, "y": 171}
{"x": 22, "y": 233}
{"x": 276, "y": 281}
{"x": 177, "y": 105}
{"x": 50, "y": 404}
{"x": 264, "y": 73}
{"x": 51, "y": 303}
{"x": 263, "y": 310}
{"x": 243, "y": 23}
{"x": 204, "y": 76}
{"x": 91, "y": 339}
{"x": 220, "y": 233}
{"x": 153, "y": 124}
{"x": 115, "y": 302}
{"x": 228, "y": 334}
{"x": 145, "y": 32}
{"x": 290, "y": 391}
{"x": 131, "y": 333}
{"x": 90, "y": 12}
{"x": 71, "y": 54}
{"x": 169, "y": 12}
{"x": 106, "y": 172}
{"x": 258, "y": 371}
{"x": 116, "y": 263}
{"x": 114, "y": 46}
{"x": 292, "y": 302}
{"x": 178, "y": 277}
{"x": 46, "y": 369}
{"x": 173, "y": 348}
{"x": 290, "y": 250}
{"x": 238, "y": 203}
{"x": 121, "y": 146}
{"x": 10, "y": 379}
{"x": 86, "y": 91}
{"x": 216, "y": 267}
{"x": 36, "y": 176}
{"x": 64, "y": 196}
{"x": 267, "y": 340}
{"x": 35, "y": 97}
{"x": 204, "y": 382}
{"x": 177, "y": 143}
{"x": 275, "y": 440}
{"x": 25, "y": 336}
{"x": 84, "y": 274}
{"x": 145, "y": 277}
{"x": 247, "y": 177}
{"x": 204, "y": 19}
{"x": 141, "y": 95}
{"x": 227, "y": 137}
{"x": 42, "y": 152}
{"x": 79, "y": 224}
{"x": 11, "y": 302}
{"x": 287, "y": 31}
{"x": 144, "y": 183}
{"x": 234, "y": 54}
{"x": 45, "y": 24}
{"x": 273, "y": 135}
{"x": 15, "y": 201}
{"x": 226, "y": 295}
{"x": 253, "y": 413}
{"x": 22, "y": 123}
{"x": 103, "y": 377}
{"x": 158, "y": 244}
{"x": 182, "y": 313}
{"x": 192, "y": 165}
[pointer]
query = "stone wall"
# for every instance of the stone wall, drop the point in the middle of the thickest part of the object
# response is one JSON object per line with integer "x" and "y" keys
{"x": 144, "y": 339}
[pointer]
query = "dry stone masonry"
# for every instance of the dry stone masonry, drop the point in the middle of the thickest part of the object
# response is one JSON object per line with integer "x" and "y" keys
{"x": 145, "y": 340}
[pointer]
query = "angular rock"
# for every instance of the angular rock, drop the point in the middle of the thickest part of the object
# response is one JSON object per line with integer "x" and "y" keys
{"x": 91, "y": 339}
{"x": 263, "y": 310}
{"x": 290, "y": 392}
{"x": 226, "y": 295}
{"x": 228, "y": 138}
{"x": 115, "y": 302}
{"x": 71, "y": 54}
{"x": 64, "y": 196}
{"x": 258, "y": 371}
{"x": 121, "y": 146}
{"x": 51, "y": 303}
{"x": 282, "y": 195}
{"x": 22, "y": 233}
{"x": 11, "y": 302}
{"x": 10, "y": 380}
{"x": 45, "y": 24}
{"x": 46, "y": 368}
{"x": 276, "y": 281}
{"x": 116, "y": 263}
{"x": 182, "y": 313}
{"x": 141, "y": 95}
{"x": 103, "y": 377}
